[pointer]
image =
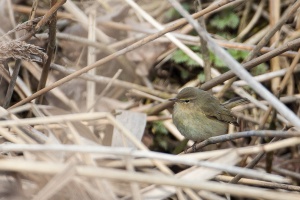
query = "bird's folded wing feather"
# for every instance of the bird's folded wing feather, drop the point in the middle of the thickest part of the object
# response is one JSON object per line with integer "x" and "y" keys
{"x": 217, "y": 111}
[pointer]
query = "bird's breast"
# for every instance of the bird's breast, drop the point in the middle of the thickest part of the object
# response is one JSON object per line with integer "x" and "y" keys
{"x": 195, "y": 125}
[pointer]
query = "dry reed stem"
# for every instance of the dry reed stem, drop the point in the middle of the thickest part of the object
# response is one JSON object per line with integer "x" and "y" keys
{"x": 120, "y": 175}
{"x": 56, "y": 183}
{"x": 176, "y": 159}
{"x": 186, "y": 39}
{"x": 106, "y": 80}
{"x": 99, "y": 168}
{"x": 253, "y": 21}
{"x": 118, "y": 151}
{"x": 53, "y": 119}
{"x": 259, "y": 183}
{"x": 238, "y": 69}
{"x": 118, "y": 53}
{"x": 91, "y": 58}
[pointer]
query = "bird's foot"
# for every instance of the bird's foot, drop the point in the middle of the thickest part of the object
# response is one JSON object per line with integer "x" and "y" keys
{"x": 194, "y": 147}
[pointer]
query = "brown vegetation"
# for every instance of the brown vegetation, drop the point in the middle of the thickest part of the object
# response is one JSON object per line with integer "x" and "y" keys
{"x": 84, "y": 87}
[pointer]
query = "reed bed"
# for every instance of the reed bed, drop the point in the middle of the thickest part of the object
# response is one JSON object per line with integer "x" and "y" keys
{"x": 85, "y": 111}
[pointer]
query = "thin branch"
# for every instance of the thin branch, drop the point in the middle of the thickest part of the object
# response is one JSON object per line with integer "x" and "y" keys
{"x": 12, "y": 83}
{"x": 50, "y": 51}
{"x": 234, "y": 136}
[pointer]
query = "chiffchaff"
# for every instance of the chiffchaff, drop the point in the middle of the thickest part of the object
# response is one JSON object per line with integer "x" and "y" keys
{"x": 198, "y": 115}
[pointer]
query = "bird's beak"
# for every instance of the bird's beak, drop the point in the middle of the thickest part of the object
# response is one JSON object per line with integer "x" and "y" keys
{"x": 173, "y": 99}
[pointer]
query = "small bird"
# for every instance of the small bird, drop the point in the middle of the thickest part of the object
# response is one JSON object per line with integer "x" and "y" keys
{"x": 198, "y": 115}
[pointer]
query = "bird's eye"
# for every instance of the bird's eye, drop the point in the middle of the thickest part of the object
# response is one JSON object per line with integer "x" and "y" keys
{"x": 186, "y": 101}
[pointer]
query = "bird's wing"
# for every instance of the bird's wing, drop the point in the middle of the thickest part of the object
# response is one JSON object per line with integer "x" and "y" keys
{"x": 217, "y": 111}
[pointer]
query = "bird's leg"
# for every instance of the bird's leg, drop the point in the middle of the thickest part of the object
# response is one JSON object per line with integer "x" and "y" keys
{"x": 194, "y": 146}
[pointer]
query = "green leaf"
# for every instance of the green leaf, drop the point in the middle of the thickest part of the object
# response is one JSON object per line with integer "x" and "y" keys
{"x": 201, "y": 77}
{"x": 159, "y": 128}
{"x": 180, "y": 57}
{"x": 236, "y": 54}
{"x": 172, "y": 13}
{"x": 260, "y": 69}
{"x": 227, "y": 19}
{"x": 184, "y": 74}
{"x": 216, "y": 61}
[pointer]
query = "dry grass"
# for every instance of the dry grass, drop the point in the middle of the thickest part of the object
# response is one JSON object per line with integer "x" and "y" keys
{"x": 64, "y": 132}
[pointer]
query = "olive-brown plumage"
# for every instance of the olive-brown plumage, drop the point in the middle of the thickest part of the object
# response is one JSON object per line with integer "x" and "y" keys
{"x": 198, "y": 115}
